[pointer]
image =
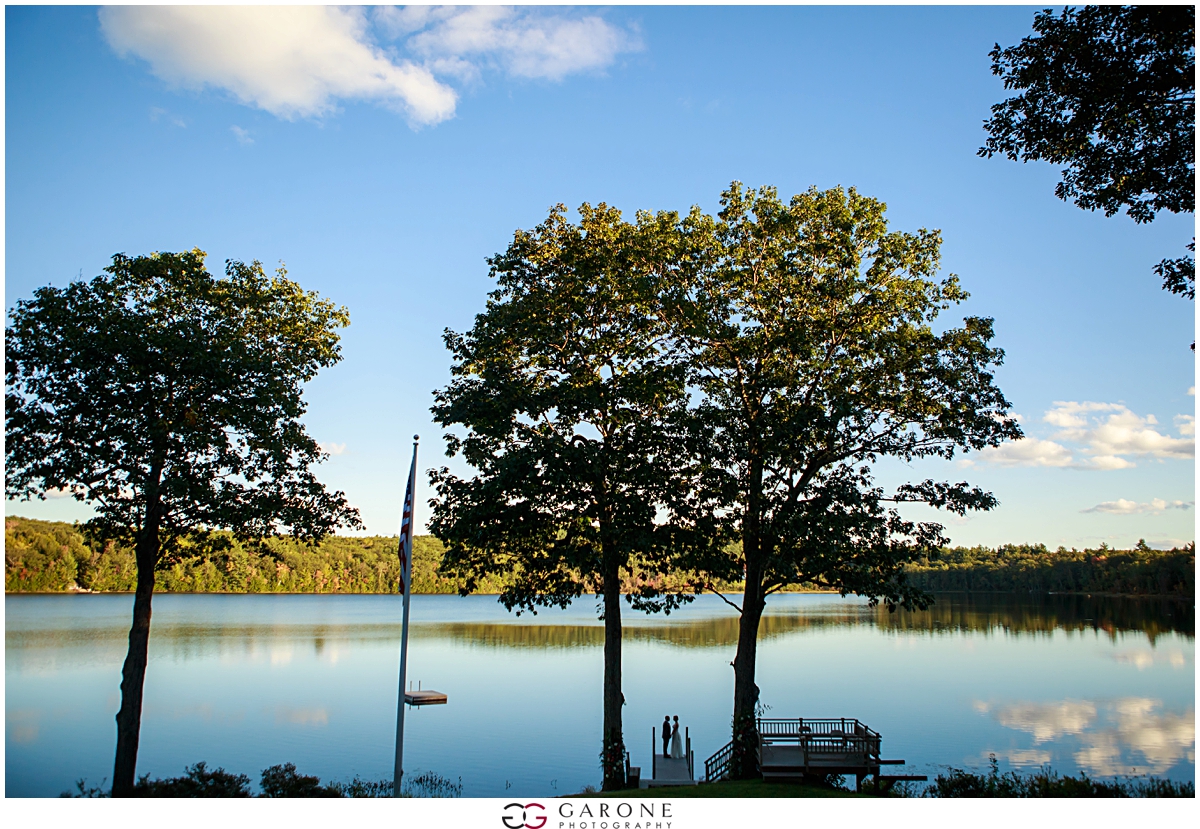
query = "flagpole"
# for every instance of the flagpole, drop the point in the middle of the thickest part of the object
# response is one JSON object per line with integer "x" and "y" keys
{"x": 405, "y": 551}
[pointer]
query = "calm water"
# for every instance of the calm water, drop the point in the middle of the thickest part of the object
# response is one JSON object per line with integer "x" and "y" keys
{"x": 245, "y": 682}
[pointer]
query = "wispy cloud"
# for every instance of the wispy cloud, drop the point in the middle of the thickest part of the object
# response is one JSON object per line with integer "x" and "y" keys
{"x": 333, "y": 448}
{"x": 160, "y": 114}
{"x": 1123, "y": 507}
{"x": 301, "y": 61}
{"x": 242, "y": 135}
{"x": 524, "y": 43}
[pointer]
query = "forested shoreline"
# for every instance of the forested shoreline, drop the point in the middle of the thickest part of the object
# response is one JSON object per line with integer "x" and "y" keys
{"x": 56, "y": 557}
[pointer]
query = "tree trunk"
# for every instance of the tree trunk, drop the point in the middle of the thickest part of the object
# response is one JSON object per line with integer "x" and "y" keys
{"x": 745, "y": 691}
{"x": 613, "y": 759}
{"x": 744, "y": 762}
{"x": 133, "y": 674}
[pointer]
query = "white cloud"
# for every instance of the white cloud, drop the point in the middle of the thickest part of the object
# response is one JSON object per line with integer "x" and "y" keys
{"x": 243, "y": 136}
{"x": 524, "y": 43}
{"x": 1095, "y": 436}
{"x": 1027, "y": 452}
{"x": 1122, "y": 506}
{"x": 1122, "y": 433}
{"x": 1068, "y": 414}
{"x": 292, "y": 61}
{"x": 333, "y": 448}
{"x": 300, "y": 61}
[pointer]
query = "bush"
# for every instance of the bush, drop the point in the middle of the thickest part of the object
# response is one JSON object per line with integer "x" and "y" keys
{"x": 197, "y": 781}
{"x": 1046, "y": 783}
{"x": 282, "y": 781}
{"x": 276, "y": 781}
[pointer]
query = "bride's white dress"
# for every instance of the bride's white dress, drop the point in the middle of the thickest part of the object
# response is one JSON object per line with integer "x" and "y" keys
{"x": 676, "y": 745}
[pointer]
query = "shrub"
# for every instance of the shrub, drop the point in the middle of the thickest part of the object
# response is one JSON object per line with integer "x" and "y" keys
{"x": 197, "y": 781}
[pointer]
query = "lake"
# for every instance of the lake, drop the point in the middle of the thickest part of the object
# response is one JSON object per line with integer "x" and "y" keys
{"x": 1106, "y": 686}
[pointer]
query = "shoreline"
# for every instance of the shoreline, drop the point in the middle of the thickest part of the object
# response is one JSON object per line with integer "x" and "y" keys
{"x": 85, "y": 592}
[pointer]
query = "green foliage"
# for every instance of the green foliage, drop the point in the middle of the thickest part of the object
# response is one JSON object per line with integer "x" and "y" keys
{"x": 1109, "y": 92}
{"x": 570, "y": 401}
{"x": 171, "y": 400}
{"x": 54, "y": 557}
{"x": 811, "y": 326}
{"x": 1033, "y": 568}
{"x": 1047, "y": 783}
{"x": 43, "y": 556}
{"x": 572, "y": 407}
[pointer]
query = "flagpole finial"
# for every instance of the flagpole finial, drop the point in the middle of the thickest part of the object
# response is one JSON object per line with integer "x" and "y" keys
{"x": 416, "y": 438}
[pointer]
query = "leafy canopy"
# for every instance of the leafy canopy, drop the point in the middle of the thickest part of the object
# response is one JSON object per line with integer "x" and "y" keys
{"x": 1109, "y": 91}
{"x": 158, "y": 384}
{"x": 567, "y": 389}
{"x": 811, "y": 330}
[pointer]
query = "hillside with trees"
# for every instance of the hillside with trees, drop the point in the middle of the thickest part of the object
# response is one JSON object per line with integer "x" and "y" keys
{"x": 55, "y": 557}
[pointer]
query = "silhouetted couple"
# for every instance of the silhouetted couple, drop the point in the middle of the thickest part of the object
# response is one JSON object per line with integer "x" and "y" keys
{"x": 672, "y": 741}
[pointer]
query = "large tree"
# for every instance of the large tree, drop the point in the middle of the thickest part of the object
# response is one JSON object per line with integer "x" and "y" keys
{"x": 811, "y": 332}
{"x": 1109, "y": 92}
{"x": 170, "y": 401}
{"x": 571, "y": 404}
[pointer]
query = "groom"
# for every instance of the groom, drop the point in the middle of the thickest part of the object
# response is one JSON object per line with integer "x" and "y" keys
{"x": 666, "y": 736}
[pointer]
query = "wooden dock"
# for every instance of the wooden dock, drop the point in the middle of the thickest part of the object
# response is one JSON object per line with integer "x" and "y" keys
{"x": 792, "y": 749}
{"x": 670, "y": 771}
{"x": 424, "y": 697}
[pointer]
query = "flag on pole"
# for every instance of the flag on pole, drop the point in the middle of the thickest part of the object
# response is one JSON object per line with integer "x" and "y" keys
{"x": 406, "y": 529}
{"x": 405, "y": 551}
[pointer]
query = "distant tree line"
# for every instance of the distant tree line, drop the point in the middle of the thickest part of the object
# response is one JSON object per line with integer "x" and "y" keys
{"x": 53, "y": 557}
{"x": 1023, "y": 567}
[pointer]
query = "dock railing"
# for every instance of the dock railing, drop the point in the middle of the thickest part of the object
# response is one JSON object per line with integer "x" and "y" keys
{"x": 820, "y": 738}
{"x": 817, "y": 738}
{"x": 691, "y": 761}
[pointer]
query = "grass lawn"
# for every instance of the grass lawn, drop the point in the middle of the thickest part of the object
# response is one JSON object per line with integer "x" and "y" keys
{"x": 731, "y": 788}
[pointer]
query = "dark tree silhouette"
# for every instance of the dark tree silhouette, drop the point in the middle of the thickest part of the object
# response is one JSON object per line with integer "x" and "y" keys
{"x": 1109, "y": 92}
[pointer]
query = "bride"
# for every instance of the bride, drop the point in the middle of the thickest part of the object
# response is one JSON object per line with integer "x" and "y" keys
{"x": 676, "y": 741}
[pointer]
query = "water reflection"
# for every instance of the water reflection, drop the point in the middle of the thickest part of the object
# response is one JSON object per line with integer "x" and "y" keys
{"x": 1127, "y": 736}
{"x": 1045, "y": 721}
{"x": 1102, "y": 685}
{"x": 1138, "y": 728}
{"x": 697, "y": 626}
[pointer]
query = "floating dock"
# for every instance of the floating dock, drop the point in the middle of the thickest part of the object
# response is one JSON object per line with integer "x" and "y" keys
{"x": 424, "y": 697}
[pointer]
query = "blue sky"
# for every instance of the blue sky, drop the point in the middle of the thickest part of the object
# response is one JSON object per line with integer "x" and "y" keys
{"x": 383, "y": 154}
